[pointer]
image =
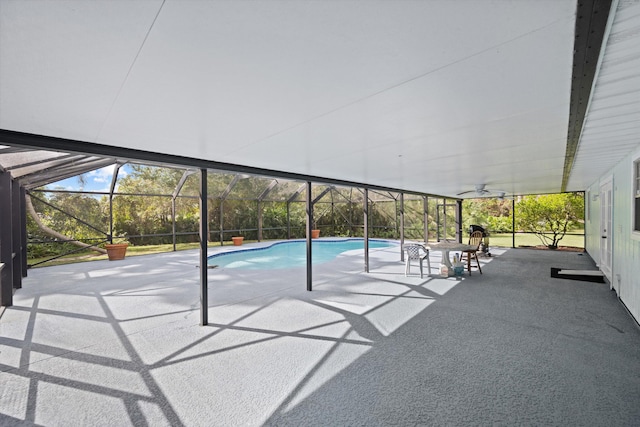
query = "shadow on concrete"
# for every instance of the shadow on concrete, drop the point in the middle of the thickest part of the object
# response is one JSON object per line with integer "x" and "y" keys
{"x": 119, "y": 344}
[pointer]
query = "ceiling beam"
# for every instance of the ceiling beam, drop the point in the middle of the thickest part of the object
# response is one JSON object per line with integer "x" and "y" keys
{"x": 28, "y": 140}
{"x": 40, "y": 178}
{"x": 37, "y": 162}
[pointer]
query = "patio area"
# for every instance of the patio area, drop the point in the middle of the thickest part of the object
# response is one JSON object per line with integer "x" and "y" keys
{"x": 118, "y": 343}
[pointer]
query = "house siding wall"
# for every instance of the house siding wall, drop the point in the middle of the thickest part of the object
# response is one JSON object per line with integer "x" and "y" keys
{"x": 625, "y": 276}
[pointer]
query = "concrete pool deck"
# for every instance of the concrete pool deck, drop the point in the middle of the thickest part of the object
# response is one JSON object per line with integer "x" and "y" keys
{"x": 118, "y": 343}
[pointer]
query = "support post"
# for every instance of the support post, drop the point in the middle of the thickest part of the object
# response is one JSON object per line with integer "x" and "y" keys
{"x": 365, "y": 208}
{"x": 110, "y": 236}
{"x": 221, "y": 222}
{"x": 23, "y": 230}
{"x": 352, "y": 229}
{"x": 204, "y": 297}
{"x": 425, "y": 201}
{"x": 584, "y": 215}
{"x": 290, "y": 200}
{"x": 395, "y": 216}
{"x": 513, "y": 222}
{"x": 401, "y": 226}
{"x": 333, "y": 220}
{"x": 288, "y": 219}
{"x": 16, "y": 226}
{"x": 261, "y": 197}
{"x": 444, "y": 218}
{"x": 259, "y": 210}
{"x": 173, "y": 221}
{"x": 6, "y": 264}
{"x": 112, "y": 189}
{"x": 437, "y": 221}
{"x": 309, "y": 211}
{"x": 459, "y": 220}
{"x": 176, "y": 191}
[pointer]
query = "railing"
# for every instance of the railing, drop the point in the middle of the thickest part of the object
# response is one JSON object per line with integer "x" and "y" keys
{"x": 529, "y": 239}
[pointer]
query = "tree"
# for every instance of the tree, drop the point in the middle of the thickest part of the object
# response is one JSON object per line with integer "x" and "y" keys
{"x": 491, "y": 213}
{"x": 550, "y": 215}
{"x": 139, "y": 217}
{"x": 70, "y": 205}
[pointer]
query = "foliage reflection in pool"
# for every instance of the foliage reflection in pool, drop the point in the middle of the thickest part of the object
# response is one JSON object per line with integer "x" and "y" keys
{"x": 290, "y": 254}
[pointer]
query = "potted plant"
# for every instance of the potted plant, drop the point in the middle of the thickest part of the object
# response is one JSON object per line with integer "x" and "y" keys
{"x": 315, "y": 231}
{"x": 237, "y": 240}
{"x": 116, "y": 251}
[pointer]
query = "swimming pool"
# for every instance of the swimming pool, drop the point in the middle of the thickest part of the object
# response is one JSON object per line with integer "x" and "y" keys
{"x": 290, "y": 254}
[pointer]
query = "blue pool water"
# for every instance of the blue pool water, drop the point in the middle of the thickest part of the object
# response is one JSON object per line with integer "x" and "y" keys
{"x": 290, "y": 254}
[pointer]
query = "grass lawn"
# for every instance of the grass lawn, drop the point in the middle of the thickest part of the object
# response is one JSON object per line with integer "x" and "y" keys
{"x": 506, "y": 240}
{"x": 131, "y": 251}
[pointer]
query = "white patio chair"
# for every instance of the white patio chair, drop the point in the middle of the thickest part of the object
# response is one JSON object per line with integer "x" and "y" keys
{"x": 416, "y": 252}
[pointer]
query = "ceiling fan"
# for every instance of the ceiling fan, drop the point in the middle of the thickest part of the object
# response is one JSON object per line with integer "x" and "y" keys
{"x": 481, "y": 191}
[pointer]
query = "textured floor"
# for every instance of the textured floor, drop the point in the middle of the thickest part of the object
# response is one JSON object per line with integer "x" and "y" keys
{"x": 118, "y": 343}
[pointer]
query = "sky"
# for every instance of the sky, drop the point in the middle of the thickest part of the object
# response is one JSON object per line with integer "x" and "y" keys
{"x": 97, "y": 180}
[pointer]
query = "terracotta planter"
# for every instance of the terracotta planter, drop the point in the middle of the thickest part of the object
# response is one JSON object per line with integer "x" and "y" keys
{"x": 116, "y": 251}
{"x": 237, "y": 241}
{"x": 315, "y": 234}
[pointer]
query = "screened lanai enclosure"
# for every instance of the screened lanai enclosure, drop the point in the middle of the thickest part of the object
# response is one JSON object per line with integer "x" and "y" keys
{"x": 93, "y": 201}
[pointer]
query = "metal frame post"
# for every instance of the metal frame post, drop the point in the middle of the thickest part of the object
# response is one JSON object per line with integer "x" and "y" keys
{"x": 437, "y": 221}
{"x": 333, "y": 220}
{"x": 173, "y": 221}
{"x": 23, "y": 230}
{"x": 204, "y": 297}
{"x": 290, "y": 200}
{"x": 365, "y": 208}
{"x": 584, "y": 217}
{"x": 425, "y": 201}
{"x": 444, "y": 218}
{"x": 174, "y": 195}
{"x": 221, "y": 221}
{"x": 6, "y": 264}
{"x": 259, "y": 212}
{"x": 459, "y": 220}
{"x": 223, "y": 197}
{"x": 352, "y": 229}
{"x": 513, "y": 222}
{"x": 260, "y": 206}
{"x": 16, "y": 227}
{"x": 288, "y": 219}
{"x": 396, "y": 217}
{"x": 401, "y": 226}
{"x": 112, "y": 188}
{"x": 309, "y": 212}
{"x": 110, "y": 236}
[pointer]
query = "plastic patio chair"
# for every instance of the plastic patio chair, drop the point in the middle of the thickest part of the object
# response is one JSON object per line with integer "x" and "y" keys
{"x": 474, "y": 240}
{"x": 413, "y": 251}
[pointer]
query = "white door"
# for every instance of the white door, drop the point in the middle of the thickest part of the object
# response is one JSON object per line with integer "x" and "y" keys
{"x": 606, "y": 228}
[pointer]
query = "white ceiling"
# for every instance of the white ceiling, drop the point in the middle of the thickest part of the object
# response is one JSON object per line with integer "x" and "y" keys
{"x": 429, "y": 96}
